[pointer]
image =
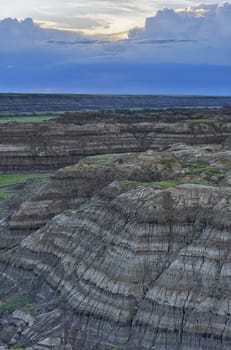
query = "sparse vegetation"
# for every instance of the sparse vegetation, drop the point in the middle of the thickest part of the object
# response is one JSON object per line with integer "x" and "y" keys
{"x": 168, "y": 161}
{"x": 193, "y": 234}
{"x": 15, "y": 302}
{"x": 132, "y": 183}
{"x": 167, "y": 184}
{"x": 19, "y": 300}
{"x": 159, "y": 184}
{"x": 69, "y": 212}
{"x": 212, "y": 123}
{"x": 15, "y": 179}
{"x": 201, "y": 167}
{"x": 9, "y": 188}
{"x": 104, "y": 159}
{"x": 154, "y": 184}
{"x": 8, "y": 180}
{"x": 82, "y": 208}
{"x": 4, "y": 194}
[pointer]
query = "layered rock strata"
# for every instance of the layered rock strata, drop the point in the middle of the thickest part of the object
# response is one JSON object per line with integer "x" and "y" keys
{"x": 55, "y": 144}
{"x": 128, "y": 251}
{"x": 140, "y": 267}
{"x": 70, "y": 187}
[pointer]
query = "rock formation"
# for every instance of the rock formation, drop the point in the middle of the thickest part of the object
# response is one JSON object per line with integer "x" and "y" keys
{"x": 55, "y": 144}
{"x": 125, "y": 251}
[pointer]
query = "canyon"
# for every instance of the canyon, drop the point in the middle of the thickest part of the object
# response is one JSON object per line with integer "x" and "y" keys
{"x": 126, "y": 242}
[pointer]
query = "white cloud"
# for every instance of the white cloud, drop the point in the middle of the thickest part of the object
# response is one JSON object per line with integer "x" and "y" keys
{"x": 197, "y": 35}
{"x": 201, "y": 22}
{"x": 91, "y": 16}
{"x": 20, "y": 34}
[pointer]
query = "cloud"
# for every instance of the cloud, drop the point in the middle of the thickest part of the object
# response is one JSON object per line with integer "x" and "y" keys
{"x": 27, "y": 31}
{"x": 202, "y": 23}
{"x": 197, "y": 34}
{"x": 90, "y": 16}
{"x": 177, "y": 51}
{"x": 12, "y": 29}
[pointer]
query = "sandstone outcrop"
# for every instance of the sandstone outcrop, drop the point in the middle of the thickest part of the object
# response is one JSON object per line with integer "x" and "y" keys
{"x": 124, "y": 251}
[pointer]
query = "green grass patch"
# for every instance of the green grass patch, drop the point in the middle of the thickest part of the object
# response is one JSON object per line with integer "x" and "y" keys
{"x": 4, "y": 194}
{"x": 167, "y": 161}
{"x": 209, "y": 122}
{"x": 132, "y": 183}
{"x": 27, "y": 118}
{"x": 8, "y": 191}
{"x": 153, "y": 184}
{"x": 212, "y": 171}
{"x": 69, "y": 212}
{"x": 167, "y": 184}
{"x": 158, "y": 184}
{"x": 15, "y": 179}
{"x": 201, "y": 167}
{"x": 16, "y": 302}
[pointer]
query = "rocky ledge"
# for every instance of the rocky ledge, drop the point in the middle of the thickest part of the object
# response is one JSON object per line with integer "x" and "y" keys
{"x": 123, "y": 251}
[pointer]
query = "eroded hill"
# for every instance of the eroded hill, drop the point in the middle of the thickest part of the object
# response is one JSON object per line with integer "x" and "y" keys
{"x": 128, "y": 250}
{"x": 57, "y": 143}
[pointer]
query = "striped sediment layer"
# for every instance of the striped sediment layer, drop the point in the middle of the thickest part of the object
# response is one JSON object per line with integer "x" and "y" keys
{"x": 129, "y": 251}
{"x": 139, "y": 267}
{"x": 55, "y": 144}
{"x": 72, "y": 186}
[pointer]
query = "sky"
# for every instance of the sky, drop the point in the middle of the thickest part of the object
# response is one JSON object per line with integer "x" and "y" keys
{"x": 115, "y": 46}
